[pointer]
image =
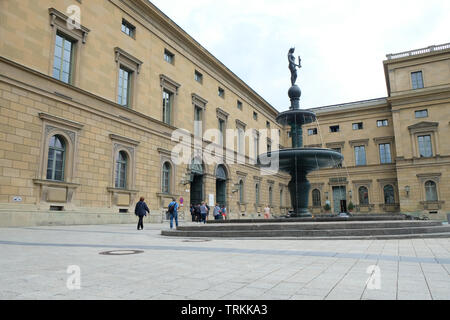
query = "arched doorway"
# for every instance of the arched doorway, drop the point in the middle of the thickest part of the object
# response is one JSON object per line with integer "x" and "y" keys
{"x": 221, "y": 185}
{"x": 197, "y": 195}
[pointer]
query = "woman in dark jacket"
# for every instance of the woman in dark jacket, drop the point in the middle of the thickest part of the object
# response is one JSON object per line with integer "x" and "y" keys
{"x": 141, "y": 211}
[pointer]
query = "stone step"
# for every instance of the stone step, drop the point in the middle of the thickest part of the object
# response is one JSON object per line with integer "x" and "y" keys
{"x": 373, "y": 217}
{"x": 310, "y": 226}
{"x": 308, "y": 233}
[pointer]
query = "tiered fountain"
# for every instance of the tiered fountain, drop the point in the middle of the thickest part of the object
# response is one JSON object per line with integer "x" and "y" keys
{"x": 299, "y": 161}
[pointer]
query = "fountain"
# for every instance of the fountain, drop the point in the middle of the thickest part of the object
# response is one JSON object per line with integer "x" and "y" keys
{"x": 299, "y": 161}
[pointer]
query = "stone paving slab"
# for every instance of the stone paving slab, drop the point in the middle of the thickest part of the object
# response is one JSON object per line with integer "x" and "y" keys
{"x": 35, "y": 261}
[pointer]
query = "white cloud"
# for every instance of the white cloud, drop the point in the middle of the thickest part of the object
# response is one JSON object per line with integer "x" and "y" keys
{"x": 342, "y": 43}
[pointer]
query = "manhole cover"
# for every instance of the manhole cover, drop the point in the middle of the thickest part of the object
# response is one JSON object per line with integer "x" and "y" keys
{"x": 121, "y": 252}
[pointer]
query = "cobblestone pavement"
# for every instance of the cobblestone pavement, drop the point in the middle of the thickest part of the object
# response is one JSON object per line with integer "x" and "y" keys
{"x": 38, "y": 263}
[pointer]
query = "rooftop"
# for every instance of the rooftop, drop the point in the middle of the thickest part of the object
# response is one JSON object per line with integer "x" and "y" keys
{"x": 416, "y": 52}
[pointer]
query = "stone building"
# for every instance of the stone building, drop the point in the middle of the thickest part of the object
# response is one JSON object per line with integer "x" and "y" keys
{"x": 93, "y": 96}
{"x": 397, "y": 158}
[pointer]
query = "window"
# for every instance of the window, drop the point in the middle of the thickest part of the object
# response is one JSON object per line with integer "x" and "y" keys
{"x": 255, "y": 116}
{"x": 241, "y": 191}
{"x": 241, "y": 140}
{"x": 316, "y": 198}
{"x": 222, "y": 131}
{"x": 221, "y": 92}
{"x": 358, "y": 126}
{"x": 431, "y": 191}
{"x": 169, "y": 56}
{"x": 63, "y": 59}
{"x": 121, "y": 170}
{"x": 198, "y": 76}
{"x": 56, "y": 159}
{"x": 269, "y": 146}
{"x": 167, "y": 107}
{"x": 417, "y": 80}
{"x": 337, "y": 150}
{"x": 422, "y": 114}
{"x": 281, "y": 198}
{"x": 256, "y": 145}
{"x": 257, "y": 194}
{"x": 239, "y": 105}
{"x": 128, "y": 28}
{"x": 382, "y": 123}
{"x": 425, "y": 148}
{"x": 166, "y": 176}
{"x": 123, "y": 96}
{"x": 385, "y": 153}
{"x": 270, "y": 196}
{"x": 360, "y": 155}
{"x": 363, "y": 196}
{"x": 198, "y": 121}
{"x": 334, "y": 129}
{"x": 267, "y": 124}
{"x": 312, "y": 132}
{"x": 389, "y": 197}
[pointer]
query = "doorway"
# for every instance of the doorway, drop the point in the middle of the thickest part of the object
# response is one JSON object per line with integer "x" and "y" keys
{"x": 221, "y": 185}
{"x": 197, "y": 184}
{"x": 339, "y": 199}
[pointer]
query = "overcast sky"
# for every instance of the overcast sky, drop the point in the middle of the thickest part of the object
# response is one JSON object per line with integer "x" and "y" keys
{"x": 342, "y": 43}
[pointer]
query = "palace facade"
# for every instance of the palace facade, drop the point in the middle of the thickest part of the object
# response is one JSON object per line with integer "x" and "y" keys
{"x": 93, "y": 96}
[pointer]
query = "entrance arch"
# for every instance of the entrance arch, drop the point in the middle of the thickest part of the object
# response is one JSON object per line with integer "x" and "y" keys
{"x": 221, "y": 185}
{"x": 197, "y": 181}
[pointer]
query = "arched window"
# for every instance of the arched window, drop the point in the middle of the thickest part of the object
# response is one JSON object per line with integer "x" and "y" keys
{"x": 257, "y": 194}
{"x": 241, "y": 191}
{"x": 363, "y": 196}
{"x": 121, "y": 170}
{"x": 270, "y": 196}
{"x": 56, "y": 158}
{"x": 166, "y": 175}
{"x": 389, "y": 197}
{"x": 316, "y": 198}
{"x": 431, "y": 191}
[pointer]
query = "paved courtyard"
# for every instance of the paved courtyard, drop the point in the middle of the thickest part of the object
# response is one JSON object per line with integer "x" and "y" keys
{"x": 52, "y": 262}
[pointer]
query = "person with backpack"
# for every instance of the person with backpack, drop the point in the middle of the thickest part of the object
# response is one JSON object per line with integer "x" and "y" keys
{"x": 173, "y": 212}
{"x": 217, "y": 213}
{"x": 141, "y": 211}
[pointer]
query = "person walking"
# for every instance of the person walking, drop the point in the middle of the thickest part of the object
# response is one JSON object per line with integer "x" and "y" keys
{"x": 141, "y": 211}
{"x": 198, "y": 214}
{"x": 204, "y": 212}
{"x": 173, "y": 212}
{"x": 217, "y": 213}
{"x": 192, "y": 210}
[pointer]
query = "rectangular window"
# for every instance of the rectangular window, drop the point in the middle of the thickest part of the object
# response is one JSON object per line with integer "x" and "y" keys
{"x": 267, "y": 124}
{"x": 123, "y": 97}
{"x": 385, "y": 153}
{"x": 198, "y": 77}
{"x": 255, "y": 116}
{"x": 358, "y": 126}
{"x": 198, "y": 119}
{"x": 241, "y": 140}
{"x": 128, "y": 28}
{"x": 221, "y": 92}
{"x": 63, "y": 59}
{"x": 417, "y": 80}
{"x": 239, "y": 105}
{"x": 360, "y": 155}
{"x": 422, "y": 114}
{"x": 312, "y": 132}
{"x": 334, "y": 129}
{"x": 169, "y": 56}
{"x": 425, "y": 148}
{"x": 222, "y": 131}
{"x": 382, "y": 123}
{"x": 167, "y": 107}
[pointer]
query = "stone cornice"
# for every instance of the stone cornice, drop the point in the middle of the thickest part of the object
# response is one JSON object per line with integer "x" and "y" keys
{"x": 61, "y": 121}
{"x": 55, "y": 14}
{"x": 119, "y": 53}
{"x": 124, "y": 140}
{"x": 359, "y": 142}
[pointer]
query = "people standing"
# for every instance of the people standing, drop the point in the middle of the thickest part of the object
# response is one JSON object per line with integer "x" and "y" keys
{"x": 141, "y": 211}
{"x": 224, "y": 212}
{"x": 267, "y": 212}
{"x": 204, "y": 212}
{"x": 198, "y": 214}
{"x": 217, "y": 213}
{"x": 173, "y": 212}
{"x": 192, "y": 210}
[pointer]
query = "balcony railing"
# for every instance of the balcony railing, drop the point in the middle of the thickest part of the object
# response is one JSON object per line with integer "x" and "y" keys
{"x": 418, "y": 51}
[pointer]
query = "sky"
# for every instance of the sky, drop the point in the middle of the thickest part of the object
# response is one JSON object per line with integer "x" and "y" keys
{"x": 342, "y": 43}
